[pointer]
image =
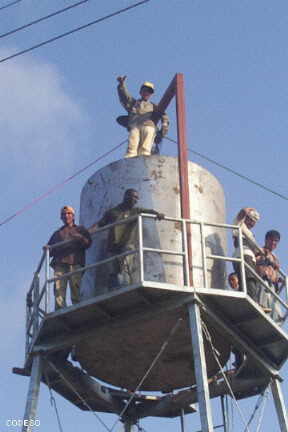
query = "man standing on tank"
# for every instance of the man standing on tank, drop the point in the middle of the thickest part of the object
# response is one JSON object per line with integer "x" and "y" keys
{"x": 68, "y": 256}
{"x": 123, "y": 237}
{"x": 143, "y": 116}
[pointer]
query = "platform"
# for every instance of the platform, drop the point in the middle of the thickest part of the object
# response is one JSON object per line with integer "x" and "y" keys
{"x": 129, "y": 326}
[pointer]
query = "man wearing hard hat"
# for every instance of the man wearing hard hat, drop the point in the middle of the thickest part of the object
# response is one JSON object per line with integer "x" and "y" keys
{"x": 143, "y": 116}
{"x": 67, "y": 248}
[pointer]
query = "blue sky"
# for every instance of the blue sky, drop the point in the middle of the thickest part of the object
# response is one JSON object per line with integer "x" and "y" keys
{"x": 59, "y": 105}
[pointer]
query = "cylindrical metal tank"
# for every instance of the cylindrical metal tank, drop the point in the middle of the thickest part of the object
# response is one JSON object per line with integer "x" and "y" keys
{"x": 120, "y": 353}
{"x": 156, "y": 179}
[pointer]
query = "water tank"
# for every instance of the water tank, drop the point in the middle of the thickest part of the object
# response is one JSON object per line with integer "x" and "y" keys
{"x": 121, "y": 352}
{"x": 157, "y": 181}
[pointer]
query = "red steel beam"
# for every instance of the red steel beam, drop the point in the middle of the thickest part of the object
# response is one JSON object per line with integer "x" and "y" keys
{"x": 183, "y": 161}
{"x": 176, "y": 88}
{"x": 168, "y": 95}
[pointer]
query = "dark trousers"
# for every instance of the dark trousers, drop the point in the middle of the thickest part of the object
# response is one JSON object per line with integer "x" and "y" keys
{"x": 251, "y": 282}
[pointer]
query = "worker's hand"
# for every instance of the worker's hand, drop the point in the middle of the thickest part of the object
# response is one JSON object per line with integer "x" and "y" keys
{"x": 121, "y": 79}
{"x": 93, "y": 228}
{"x": 160, "y": 216}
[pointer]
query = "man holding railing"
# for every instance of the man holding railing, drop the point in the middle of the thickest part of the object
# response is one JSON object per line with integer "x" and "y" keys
{"x": 123, "y": 237}
{"x": 246, "y": 220}
{"x": 267, "y": 266}
{"x": 68, "y": 253}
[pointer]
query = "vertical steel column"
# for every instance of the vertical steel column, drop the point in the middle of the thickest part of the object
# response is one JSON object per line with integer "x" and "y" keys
{"x": 140, "y": 248}
{"x": 279, "y": 404}
{"x": 36, "y": 304}
{"x": 242, "y": 263}
{"x": 47, "y": 277}
{"x": 182, "y": 420}
{"x": 224, "y": 414}
{"x": 128, "y": 424}
{"x": 200, "y": 367}
{"x": 183, "y": 160}
{"x": 203, "y": 252}
{"x": 185, "y": 250}
{"x": 32, "y": 396}
{"x": 176, "y": 88}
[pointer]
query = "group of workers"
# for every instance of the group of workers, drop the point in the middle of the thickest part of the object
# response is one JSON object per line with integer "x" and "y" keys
{"x": 67, "y": 247}
{"x": 261, "y": 260}
{"x": 68, "y": 244}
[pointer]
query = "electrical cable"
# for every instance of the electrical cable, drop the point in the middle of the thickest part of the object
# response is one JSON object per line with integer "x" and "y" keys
{"x": 53, "y": 401}
{"x": 233, "y": 172}
{"x": 50, "y": 191}
{"x": 257, "y": 406}
{"x": 59, "y": 185}
{"x": 17, "y": 29}
{"x": 77, "y": 394}
{"x": 62, "y": 35}
{"x": 266, "y": 395}
{"x": 163, "y": 347}
{"x": 216, "y": 355}
{"x": 10, "y": 4}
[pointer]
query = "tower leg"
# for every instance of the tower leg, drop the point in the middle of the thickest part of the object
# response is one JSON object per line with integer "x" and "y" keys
{"x": 200, "y": 368}
{"x": 128, "y": 424}
{"x": 279, "y": 404}
{"x": 32, "y": 396}
{"x": 224, "y": 415}
{"x": 182, "y": 421}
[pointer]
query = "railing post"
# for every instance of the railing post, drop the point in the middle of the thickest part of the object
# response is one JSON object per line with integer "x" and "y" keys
{"x": 203, "y": 252}
{"x": 36, "y": 304}
{"x": 29, "y": 307}
{"x": 140, "y": 248}
{"x": 186, "y": 257}
{"x": 286, "y": 289}
{"x": 47, "y": 277}
{"x": 242, "y": 265}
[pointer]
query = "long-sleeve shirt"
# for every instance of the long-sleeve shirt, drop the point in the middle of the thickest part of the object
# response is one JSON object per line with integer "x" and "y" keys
{"x": 141, "y": 112}
{"x": 73, "y": 252}
{"x": 123, "y": 234}
{"x": 250, "y": 246}
{"x": 268, "y": 266}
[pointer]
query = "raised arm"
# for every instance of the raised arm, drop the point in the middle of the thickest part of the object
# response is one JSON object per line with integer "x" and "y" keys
{"x": 126, "y": 100}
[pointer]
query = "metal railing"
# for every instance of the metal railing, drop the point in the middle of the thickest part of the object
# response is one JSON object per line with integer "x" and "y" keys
{"x": 38, "y": 301}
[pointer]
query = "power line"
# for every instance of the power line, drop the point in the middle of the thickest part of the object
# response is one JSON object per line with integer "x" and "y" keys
{"x": 262, "y": 186}
{"x": 3, "y": 35}
{"x": 58, "y": 186}
{"x": 53, "y": 401}
{"x": 55, "y": 38}
{"x": 10, "y": 4}
{"x": 260, "y": 401}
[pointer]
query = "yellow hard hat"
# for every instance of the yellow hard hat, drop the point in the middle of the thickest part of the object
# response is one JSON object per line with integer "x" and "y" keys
{"x": 67, "y": 209}
{"x": 149, "y": 85}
